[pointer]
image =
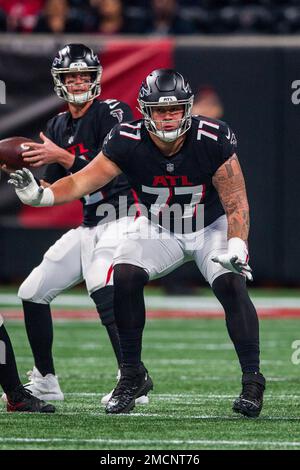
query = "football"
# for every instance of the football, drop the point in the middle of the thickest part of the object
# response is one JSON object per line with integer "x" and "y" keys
{"x": 11, "y": 150}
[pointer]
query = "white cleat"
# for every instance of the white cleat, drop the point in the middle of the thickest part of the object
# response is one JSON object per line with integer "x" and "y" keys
{"x": 143, "y": 400}
{"x": 4, "y": 397}
{"x": 45, "y": 388}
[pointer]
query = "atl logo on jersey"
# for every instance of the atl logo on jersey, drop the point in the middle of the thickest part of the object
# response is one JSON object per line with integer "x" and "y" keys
{"x": 168, "y": 180}
{"x": 77, "y": 149}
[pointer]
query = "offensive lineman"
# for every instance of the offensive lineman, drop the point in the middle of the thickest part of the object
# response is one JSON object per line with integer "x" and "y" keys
{"x": 72, "y": 140}
{"x": 172, "y": 158}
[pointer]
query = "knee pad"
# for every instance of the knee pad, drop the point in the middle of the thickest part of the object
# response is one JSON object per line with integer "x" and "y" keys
{"x": 104, "y": 300}
{"x": 31, "y": 289}
{"x": 97, "y": 276}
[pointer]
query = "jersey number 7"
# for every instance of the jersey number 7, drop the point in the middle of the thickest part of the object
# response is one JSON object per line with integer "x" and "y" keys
{"x": 164, "y": 195}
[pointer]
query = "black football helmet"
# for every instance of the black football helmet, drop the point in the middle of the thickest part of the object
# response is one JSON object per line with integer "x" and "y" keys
{"x": 166, "y": 87}
{"x": 76, "y": 58}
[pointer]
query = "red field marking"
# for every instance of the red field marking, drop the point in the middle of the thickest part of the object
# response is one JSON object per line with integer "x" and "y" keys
{"x": 88, "y": 314}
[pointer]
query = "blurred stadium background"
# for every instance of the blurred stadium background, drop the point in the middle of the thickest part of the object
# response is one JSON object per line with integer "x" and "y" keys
{"x": 241, "y": 58}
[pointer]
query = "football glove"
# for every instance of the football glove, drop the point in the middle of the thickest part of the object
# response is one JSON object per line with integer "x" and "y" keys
{"x": 236, "y": 258}
{"x": 28, "y": 191}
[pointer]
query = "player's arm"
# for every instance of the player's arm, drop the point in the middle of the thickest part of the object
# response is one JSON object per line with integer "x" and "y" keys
{"x": 230, "y": 185}
{"x": 96, "y": 174}
{"x": 44, "y": 183}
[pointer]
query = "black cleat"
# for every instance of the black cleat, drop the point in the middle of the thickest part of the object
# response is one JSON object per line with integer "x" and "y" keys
{"x": 22, "y": 399}
{"x": 134, "y": 383}
{"x": 250, "y": 401}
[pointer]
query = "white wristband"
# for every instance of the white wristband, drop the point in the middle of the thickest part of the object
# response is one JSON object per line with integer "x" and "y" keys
{"x": 47, "y": 198}
{"x": 238, "y": 247}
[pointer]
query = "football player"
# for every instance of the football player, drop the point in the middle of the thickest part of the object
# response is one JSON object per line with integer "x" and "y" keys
{"x": 72, "y": 139}
{"x": 186, "y": 168}
{"x": 18, "y": 398}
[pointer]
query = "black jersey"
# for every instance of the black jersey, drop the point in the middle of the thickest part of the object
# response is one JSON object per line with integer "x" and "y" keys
{"x": 83, "y": 137}
{"x": 184, "y": 179}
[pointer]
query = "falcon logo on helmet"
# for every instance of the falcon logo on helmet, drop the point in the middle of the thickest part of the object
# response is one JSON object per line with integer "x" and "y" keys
{"x": 76, "y": 58}
{"x": 145, "y": 90}
{"x": 166, "y": 87}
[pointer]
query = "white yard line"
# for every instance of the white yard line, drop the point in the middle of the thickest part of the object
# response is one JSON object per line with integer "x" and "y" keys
{"x": 205, "y": 442}
{"x": 186, "y": 396}
{"x": 179, "y": 417}
{"x": 189, "y": 303}
{"x": 155, "y": 362}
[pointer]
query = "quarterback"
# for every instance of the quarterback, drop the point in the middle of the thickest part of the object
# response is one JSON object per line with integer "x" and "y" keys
{"x": 72, "y": 139}
{"x": 172, "y": 159}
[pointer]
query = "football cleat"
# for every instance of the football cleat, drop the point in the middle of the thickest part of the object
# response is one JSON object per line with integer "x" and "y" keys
{"x": 22, "y": 400}
{"x": 143, "y": 400}
{"x": 134, "y": 382}
{"x": 250, "y": 401}
{"x": 44, "y": 388}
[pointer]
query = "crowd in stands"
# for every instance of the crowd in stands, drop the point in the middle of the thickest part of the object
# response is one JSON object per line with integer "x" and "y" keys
{"x": 151, "y": 17}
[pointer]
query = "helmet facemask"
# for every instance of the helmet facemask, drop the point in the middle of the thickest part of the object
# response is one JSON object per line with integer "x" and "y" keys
{"x": 184, "y": 124}
{"x": 61, "y": 88}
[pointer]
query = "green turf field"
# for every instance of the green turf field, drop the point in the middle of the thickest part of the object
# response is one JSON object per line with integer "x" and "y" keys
{"x": 196, "y": 378}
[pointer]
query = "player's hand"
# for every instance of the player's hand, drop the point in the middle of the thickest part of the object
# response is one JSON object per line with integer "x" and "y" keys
{"x": 236, "y": 258}
{"x": 45, "y": 153}
{"x": 27, "y": 189}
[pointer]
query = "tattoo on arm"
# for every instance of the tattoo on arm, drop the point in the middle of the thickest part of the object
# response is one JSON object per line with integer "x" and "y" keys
{"x": 229, "y": 182}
